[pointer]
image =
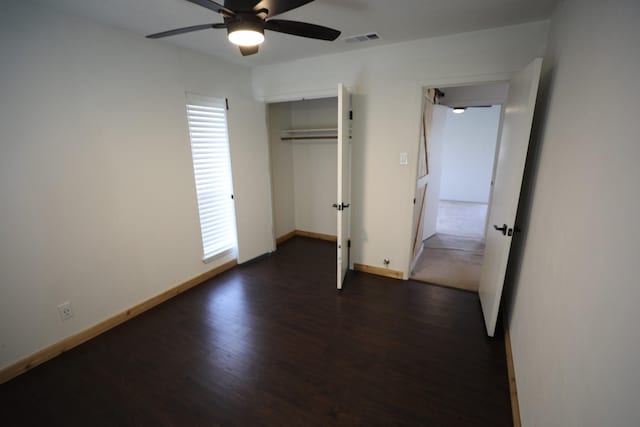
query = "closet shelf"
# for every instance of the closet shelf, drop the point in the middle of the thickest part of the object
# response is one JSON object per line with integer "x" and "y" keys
{"x": 309, "y": 134}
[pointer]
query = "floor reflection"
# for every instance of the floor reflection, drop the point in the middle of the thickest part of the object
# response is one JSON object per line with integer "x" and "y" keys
{"x": 231, "y": 330}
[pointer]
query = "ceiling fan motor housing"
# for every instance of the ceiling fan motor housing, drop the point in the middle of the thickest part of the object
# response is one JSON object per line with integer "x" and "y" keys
{"x": 245, "y": 22}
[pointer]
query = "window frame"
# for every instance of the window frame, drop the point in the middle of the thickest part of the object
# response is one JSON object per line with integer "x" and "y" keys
{"x": 198, "y": 104}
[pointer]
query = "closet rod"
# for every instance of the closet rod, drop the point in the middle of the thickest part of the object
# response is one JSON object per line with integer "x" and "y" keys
{"x": 292, "y": 138}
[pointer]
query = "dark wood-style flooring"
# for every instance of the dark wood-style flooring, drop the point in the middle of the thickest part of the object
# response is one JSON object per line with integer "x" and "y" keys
{"x": 272, "y": 342}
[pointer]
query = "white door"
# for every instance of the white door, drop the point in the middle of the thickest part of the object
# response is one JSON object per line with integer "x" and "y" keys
{"x": 344, "y": 181}
{"x": 422, "y": 181}
{"x": 514, "y": 142}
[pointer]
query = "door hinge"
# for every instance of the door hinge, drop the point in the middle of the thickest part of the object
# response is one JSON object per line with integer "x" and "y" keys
{"x": 349, "y": 243}
{"x": 512, "y": 231}
{"x": 351, "y": 115}
{"x": 226, "y": 101}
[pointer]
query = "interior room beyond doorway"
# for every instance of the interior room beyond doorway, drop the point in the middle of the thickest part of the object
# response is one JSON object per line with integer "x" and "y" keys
{"x": 461, "y": 135}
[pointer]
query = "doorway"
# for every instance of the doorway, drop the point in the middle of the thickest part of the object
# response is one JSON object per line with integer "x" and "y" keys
{"x": 461, "y": 130}
{"x": 304, "y": 161}
{"x": 310, "y": 156}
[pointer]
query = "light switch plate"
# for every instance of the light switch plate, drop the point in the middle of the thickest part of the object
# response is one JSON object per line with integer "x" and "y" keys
{"x": 404, "y": 158}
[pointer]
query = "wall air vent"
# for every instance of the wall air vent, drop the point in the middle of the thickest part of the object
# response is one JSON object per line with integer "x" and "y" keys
{"x": 362, "y": 38}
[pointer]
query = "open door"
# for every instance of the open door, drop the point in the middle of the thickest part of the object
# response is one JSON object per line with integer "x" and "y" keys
{"x": 512, "y": 154}
{"x": 427, "y": 192}
{"x": 344, "y": 181}
{"x": 422, "y": 177}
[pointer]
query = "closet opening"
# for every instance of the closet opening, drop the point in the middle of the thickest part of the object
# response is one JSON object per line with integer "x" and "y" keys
{"x": 302, "y": 144}
{"x": 310, "y": 158}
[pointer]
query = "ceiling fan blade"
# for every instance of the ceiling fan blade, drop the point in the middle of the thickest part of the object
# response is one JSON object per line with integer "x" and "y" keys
{"x": 302, "y": 29}
{"x": 248, "y": 50}
{"x": 185, "y": 30}
{"x": 276, "y": 7}
{"x": 211, "y": 5}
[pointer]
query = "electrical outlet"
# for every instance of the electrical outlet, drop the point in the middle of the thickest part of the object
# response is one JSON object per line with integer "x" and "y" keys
{"x": 65, "y": 311}
{"x": 386, "y": 262}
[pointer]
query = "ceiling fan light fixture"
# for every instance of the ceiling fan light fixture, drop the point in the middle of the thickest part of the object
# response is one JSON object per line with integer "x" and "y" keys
{"x": 246, "y": 37}
{"x": 246, "y": 32}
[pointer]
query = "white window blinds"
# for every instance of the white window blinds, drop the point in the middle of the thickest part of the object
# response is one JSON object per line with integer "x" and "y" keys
{"x": 212, "y": 169}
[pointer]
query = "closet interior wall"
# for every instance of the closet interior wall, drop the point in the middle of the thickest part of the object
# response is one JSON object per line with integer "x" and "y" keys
{"x": 304, "y": 172}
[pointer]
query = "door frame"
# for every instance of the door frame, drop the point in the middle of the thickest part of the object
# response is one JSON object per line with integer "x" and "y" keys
{"x": 455, "y": 81}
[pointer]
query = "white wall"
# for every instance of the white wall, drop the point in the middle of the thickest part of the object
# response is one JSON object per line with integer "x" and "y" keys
{"x": 315, "y": 167}
{"x": 96, "y": 182}
{"x": 304, "y": 172}
{"x": 574, "y": 313}
{"x": 387, "y": 83}
{"x": 468, "y": 153}
{"x": 281, "y": 154}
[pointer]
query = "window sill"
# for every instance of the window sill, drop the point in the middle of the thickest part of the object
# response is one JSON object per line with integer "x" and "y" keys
{"x": 231, "y": 253}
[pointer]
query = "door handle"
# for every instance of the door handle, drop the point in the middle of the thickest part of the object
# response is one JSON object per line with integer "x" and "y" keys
{"x": 341, "y": 206}
{"x": 503, "y": 229}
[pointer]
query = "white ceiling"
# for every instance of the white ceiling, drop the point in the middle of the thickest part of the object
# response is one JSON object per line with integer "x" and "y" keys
{"x": 476, "y": 95}
{"x": 395, "y": 21}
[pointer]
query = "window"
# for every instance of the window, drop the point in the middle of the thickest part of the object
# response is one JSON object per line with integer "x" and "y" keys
{"x": 212, "y": 170}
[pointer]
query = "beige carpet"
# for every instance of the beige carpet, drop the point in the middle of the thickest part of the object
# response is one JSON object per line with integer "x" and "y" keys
{"x": 461, "y": 218}
{"x": 449, "y": 260}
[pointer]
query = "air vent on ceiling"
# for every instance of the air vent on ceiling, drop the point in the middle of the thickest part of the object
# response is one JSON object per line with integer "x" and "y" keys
{"x": 362, "y": 38}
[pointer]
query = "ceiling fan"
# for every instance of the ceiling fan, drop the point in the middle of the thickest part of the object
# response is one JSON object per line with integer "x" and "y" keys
{"x": 246, "y": 20}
